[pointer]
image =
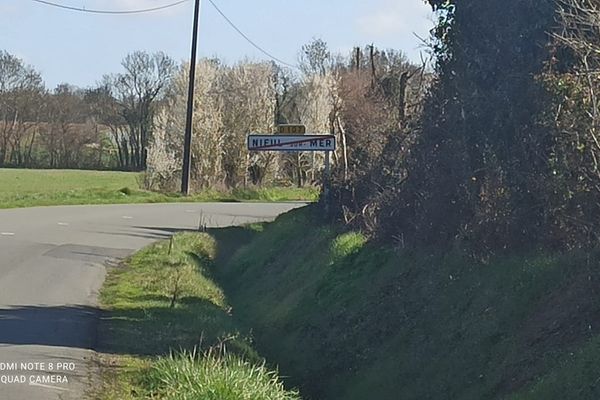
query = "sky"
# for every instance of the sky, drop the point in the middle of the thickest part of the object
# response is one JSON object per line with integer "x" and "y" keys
{"x": 79, "y": 48}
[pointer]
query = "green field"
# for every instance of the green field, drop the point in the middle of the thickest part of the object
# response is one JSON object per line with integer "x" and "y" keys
{"x": 28, "y": 188}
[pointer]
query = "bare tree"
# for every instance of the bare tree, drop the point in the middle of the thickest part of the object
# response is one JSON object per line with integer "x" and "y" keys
{"x": 207, "y": 130}
{"x": 581, "y": 34}
{"x": 315, "y": 58}
{"x": 67, "y": 133}
{"x": 165, "y": 152}
{"x": 21, "y": 89}
{"x": 249, "y": 100}
{"x": 163, "y": 160}
{"x": 312, "y": 101}
{"x": 104, "y": 113}
{"x": 145, "y": 79}
{"x": 229, "y": 103}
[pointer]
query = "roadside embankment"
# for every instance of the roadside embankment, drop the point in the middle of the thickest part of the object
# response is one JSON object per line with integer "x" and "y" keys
{"x": 343, "y": 318}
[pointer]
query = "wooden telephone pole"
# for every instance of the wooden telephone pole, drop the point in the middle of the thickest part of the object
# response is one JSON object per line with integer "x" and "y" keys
{"x": 187, "y": 144}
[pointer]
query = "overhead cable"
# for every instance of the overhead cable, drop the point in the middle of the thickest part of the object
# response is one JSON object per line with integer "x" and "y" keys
{"x": 256, "y": 46}
{"x": 96, "y": 11}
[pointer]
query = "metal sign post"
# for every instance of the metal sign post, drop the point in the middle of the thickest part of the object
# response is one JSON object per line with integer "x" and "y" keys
{"x": 326, "y": 183}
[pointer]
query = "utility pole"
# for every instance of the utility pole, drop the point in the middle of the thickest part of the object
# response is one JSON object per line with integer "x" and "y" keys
{"x": 187, "y": 145}
{"x": 373, "y": 72}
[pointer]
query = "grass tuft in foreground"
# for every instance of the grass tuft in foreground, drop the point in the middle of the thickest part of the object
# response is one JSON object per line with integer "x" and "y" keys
{"x": 214, "y": 377}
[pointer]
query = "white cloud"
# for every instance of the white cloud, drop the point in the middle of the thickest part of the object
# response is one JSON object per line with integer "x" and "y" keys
{"x": 394, "y": 17}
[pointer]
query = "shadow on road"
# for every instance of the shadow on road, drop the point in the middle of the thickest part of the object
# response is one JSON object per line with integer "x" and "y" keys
{"x": 153, "y": 330}
{"x": 65, "y": 326}
{"x": 161, "y": 232}
{"x": 148, "y": 232}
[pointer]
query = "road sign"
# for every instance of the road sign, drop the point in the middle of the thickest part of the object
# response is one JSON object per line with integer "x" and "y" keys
{"x": 291, "y": 129}
{"x": 291, "y": 142}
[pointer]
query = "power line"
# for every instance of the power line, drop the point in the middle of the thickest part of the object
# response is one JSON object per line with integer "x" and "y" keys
{"x": 92, "y": 11}
{"x": 170, "y": 5}
{"x": 265, "y": 52}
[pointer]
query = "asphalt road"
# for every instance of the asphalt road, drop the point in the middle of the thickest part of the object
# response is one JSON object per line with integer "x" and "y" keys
{"x": 52, "y": 264}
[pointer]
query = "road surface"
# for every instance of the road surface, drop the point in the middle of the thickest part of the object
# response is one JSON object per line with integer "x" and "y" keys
{"x": 52, "y": 264}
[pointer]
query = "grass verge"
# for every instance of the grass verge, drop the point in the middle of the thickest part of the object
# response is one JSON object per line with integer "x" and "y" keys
{"x": 168, "y": 332}
{"x": 29, "y": 188}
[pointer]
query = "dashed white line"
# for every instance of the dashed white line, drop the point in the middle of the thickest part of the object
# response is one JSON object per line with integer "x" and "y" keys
{"x": 7, "y": 234}
{"x": 63, "y": 223}
{"x": 48, "y": 386}
{"x": 127, "y": 217}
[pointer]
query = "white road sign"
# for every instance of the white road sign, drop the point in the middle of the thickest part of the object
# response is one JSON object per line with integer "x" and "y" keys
{"x": 291, "y": 142}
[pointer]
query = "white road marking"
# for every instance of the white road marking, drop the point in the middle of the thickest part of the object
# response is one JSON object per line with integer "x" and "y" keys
{"x": 7, "y": 234}
{"x": 48, "y": 386}
{"x": 127, "y": 217}
{"x": 190, "y": 211}
{"x": 63, "y": 223}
